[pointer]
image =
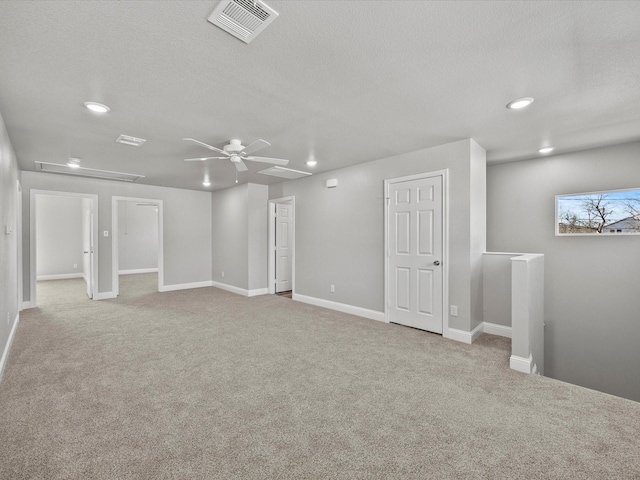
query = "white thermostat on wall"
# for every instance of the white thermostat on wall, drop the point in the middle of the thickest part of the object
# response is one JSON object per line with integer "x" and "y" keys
{"x": 332, "y": 183}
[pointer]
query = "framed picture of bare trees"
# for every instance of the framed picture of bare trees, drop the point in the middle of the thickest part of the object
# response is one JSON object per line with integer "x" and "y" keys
{"x": 615, "y": 212}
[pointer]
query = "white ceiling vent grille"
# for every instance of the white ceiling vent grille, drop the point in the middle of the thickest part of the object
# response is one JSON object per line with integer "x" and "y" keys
{"x": 243, "y": 19}
{"x": 284, "y": 172}
{"x": 129, "y": 140}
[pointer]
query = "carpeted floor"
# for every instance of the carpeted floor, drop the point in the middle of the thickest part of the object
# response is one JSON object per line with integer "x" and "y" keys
{"x": 206, "y": 384}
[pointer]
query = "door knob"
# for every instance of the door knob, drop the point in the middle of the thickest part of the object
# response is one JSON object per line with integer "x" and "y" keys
{"x": 436, "y": 263}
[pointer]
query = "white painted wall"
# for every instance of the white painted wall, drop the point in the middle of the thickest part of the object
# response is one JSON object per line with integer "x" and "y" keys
{"x": 340, "y": 231}
{"x": 592, "y": 306}
{"x": 187, "y": 225}
{"x": 239, "y": 237}
{"x": 59, "y": 227}
{"x": 496, "y": 293}
{"x": 9, "y": 305}
{"x": 137, "y": 236}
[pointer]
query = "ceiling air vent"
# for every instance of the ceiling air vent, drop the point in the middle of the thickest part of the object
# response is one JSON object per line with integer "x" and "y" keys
{"x": 243, "y": 19}
{"x": 86, "y": 172}
{"x": 129, "y": 140}
{"x": 283, "y": 172}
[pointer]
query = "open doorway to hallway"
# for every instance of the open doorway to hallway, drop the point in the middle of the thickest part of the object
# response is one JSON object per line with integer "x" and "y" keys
{"x": 137, "y": 241}
{"x": 63, "y": 246}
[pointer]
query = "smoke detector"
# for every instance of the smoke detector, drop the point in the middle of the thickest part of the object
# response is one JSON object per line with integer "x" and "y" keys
{"x": 244, "y": 19}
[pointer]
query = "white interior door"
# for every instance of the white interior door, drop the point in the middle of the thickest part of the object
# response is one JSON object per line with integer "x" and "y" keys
{"x": 284, "y": 234}
{"x": 87, "y": 246}
{"x": 415, "y": 242}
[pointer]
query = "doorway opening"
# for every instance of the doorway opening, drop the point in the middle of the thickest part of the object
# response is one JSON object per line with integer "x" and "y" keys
{"x": 416, "y": 253}
{"x": 64, "y": 229}
{"x": 282, "y": 253}
{"x": 137, "y": 245}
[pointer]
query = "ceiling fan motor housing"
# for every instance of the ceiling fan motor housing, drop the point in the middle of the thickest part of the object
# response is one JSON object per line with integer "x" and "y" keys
{"x": 235, "y": 146}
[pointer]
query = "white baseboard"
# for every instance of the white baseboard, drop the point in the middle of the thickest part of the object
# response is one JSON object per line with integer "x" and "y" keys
{"x": 340, "y": 307}
{"x": 495, "y": 329}
{"x": 521, "y": 364}
{"x": 28, "y": 304}
{"x": 240, "y": 291}
{"x": 104, "y": 295}
{"x": 138, "y": 270}
{"x": 60, "y": 276}
{"x": 185, "y": 286}
{"x": 7, "y": 347}
{"x": 462, "y": 336}
{"x": 258, "y": 291}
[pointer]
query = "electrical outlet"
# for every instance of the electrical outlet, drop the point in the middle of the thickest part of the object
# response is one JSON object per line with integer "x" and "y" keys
{"x": 222, "y": 274}
{"x": 105, "y": 233}
{"x": 333, "y": 289}
{"x": 75, "y": 265}
{"x": 8, "y": 319}
{"x": 454, "y": 310}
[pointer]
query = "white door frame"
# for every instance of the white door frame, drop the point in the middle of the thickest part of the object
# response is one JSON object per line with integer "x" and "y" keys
{"x": 21, "y": 304}
{"x": 32, "y": 239}
{"x": 445, "y": 241}
{"x": 115, "y": 284}
{"x": 271, "y": 265}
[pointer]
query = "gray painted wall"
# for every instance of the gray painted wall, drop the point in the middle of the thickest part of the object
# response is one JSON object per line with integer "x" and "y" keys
{"x": 186, "y": 225}
{"x": 137, "y": 236}
{"x": 230, "y": 236}
{"x": 8, "y": 243}
{"x": 592, "y": 306}
{"x": 240, "y": 216}
{"x": 340, "y": 231}
{"x": 59, "y": 226}
{"x": 258, "y": 224}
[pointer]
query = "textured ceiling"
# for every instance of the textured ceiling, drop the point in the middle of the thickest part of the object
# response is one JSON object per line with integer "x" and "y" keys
{"x": 343, "y": 81}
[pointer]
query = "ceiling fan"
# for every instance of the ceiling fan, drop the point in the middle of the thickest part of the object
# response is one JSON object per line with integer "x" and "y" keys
{"x": 238, "y": 153}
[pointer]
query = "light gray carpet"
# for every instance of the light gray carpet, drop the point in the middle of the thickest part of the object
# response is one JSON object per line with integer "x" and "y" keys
{"x": 206, "y": 384}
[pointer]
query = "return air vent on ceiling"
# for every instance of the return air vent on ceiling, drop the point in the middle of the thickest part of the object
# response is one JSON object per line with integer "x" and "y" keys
{"x": 86, "y": 172}
{"x": 284, "y": 172}
{"x": 243, "y": 19}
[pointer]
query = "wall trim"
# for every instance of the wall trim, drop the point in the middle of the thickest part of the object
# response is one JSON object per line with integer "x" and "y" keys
{"x": 7, "y": 347}
{"x": 521, "y": 364}
{"x": 230, "y": 288}
{"x": 258, "y": 291}
{"x": 495, "y": 329}
{"x": 28, "y": 304}
{"x": 59, "y": 276}
{"x": 104, "y": 295}
{"x": 462, "y": 336}
{"x": 341, "y": 307}
{"x": 184, "y": 286}
{"x": 137, "y": 270}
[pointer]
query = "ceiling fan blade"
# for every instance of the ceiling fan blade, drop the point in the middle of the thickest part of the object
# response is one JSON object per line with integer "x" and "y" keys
{"x": 275, "y": 161}
{"x": 202, "y": 159}
{"x": 240, "y": 166}
{"x": 205, "y": 145}
{"x": 255, "y": 146}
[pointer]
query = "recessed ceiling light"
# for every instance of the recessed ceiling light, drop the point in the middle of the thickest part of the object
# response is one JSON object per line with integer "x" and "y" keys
{"x": 520, "y": 103}
{"x": 73, "y": 163}
{"x": 545, "y": 150}
{"x": 96, "y": 107}
{"x": 312, "y": 163}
